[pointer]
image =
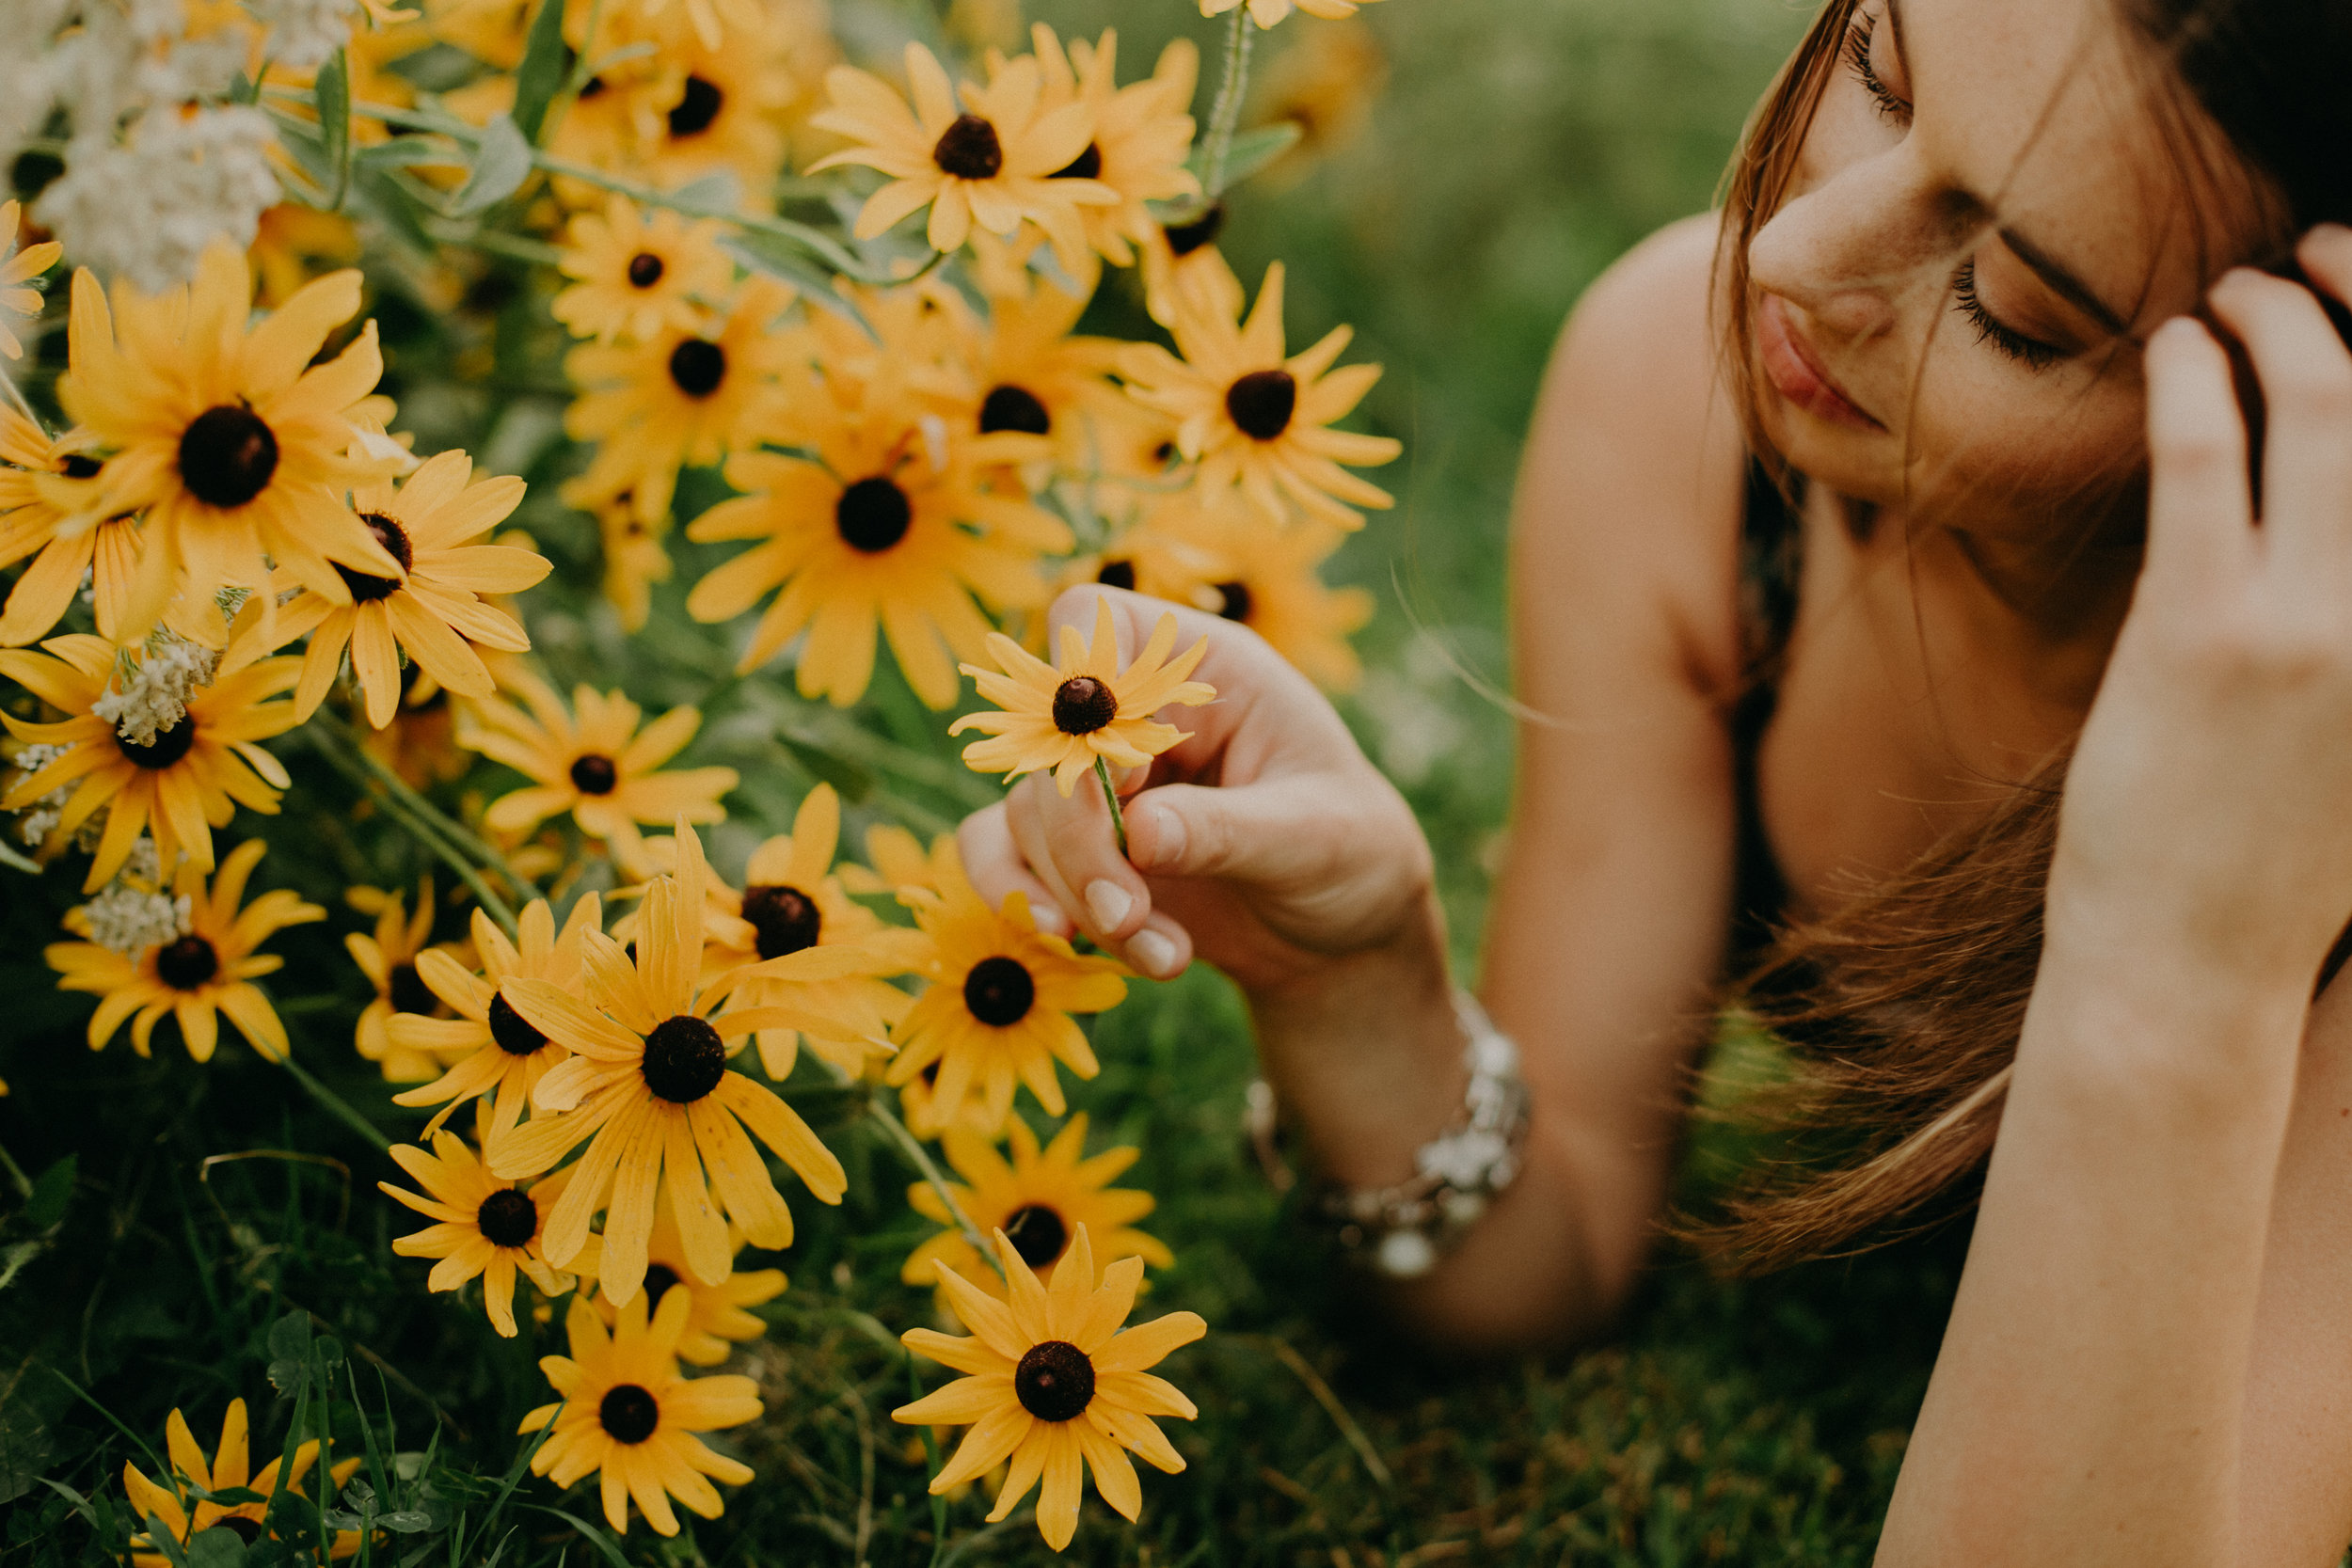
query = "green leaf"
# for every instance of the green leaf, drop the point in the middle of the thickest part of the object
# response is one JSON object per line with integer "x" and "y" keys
{"x": 596, "y": 1537}
{"x": 407, "y": 1521}
{"x": 777, "y": 260}
{"x": 330, "y": 91}
{"x": 24, "y": 1450}
{"x": 1250, "y": 151}
{"x": 408, "y": 153}
{"x": 217, "y": 1547}
{"x": 500, "y": 167}
{"x": 51, "y": 1192}
{"x": 541, "y": 71}
{"x": 854, "y": 783}
{"x": 290, "y": 1337}
{"x": 165, "y": 1542}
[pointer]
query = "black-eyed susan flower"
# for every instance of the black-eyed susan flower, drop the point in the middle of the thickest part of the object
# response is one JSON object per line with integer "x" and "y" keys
{"x": 639, "y": 274}
{"x": 1181, "y": 256}
{"x": 1035, "y": 376}
{"x": 484, "y": 1228}
{"x": 491, "y": 1051}
{"x": 635, "y": 557}
{"x": 388, "y": 957}
{"x": 1146, "y": 558}
{"x": 195, "y": 976}
{"x": 1065, "y": 718}
{"x": 1142, "y": 133}
{"x": 990, "y": 162}
{"x": 997, "y": 1010}
{"x": 433, "y": 611}
{"x": 179, "y": 778}
{"x": 15, "y": 272}
{"x": 871, "y": 535}
{"x": 1038, "y": 1199}
{"x": 678, "y": 397}
{"x": 235, "y": 446}
{"x": 603, "y": 769}
{"x": 719, "y": 1319}
{"x": 628, "y": 1418}
{"x": 650, "y": 1087}
{"x": 1266, "y": 13}
{"x": 294, "y": 244}
{"x": 1054, "y": 1386}
{"x": 45, "y": 491}
{"x": 716, "y": 111}
{"x": 1254, "y": 419}
{"x": 1269, "y": 581}
{"x": 185, "y": 1515}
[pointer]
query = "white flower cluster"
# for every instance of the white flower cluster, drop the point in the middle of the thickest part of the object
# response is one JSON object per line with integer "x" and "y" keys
{"x": 37, "y": 821}
{"x": 154, "y": 697}
{"x": 145, "y": 208}
{"x": 302, "y": 33}
{"x": 133, "y": 913}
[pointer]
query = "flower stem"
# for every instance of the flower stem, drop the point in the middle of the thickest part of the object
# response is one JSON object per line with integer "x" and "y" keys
{"x": 336, "y": 1104}
{"x": 424, "y": 822}
{"x": 912, "y": 1148}
{"x": 1226, "y": 116}
{"x": 1110, "y": 799}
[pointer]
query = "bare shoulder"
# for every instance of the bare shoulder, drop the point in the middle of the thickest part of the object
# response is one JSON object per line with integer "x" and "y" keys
{"x": 1632, "y": 483}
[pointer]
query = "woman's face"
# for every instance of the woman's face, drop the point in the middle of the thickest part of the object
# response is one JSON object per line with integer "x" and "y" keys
{"x": 1985, "y": 222}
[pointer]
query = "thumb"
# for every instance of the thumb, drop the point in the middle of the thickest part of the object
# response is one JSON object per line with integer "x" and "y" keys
{"x": 1279, "y": 832}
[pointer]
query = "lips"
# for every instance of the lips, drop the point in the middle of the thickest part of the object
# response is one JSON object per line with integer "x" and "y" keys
{"x": 1796, "y": 373}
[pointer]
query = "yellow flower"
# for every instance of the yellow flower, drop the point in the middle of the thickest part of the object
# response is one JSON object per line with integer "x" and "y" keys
{"x": 627, "y": 1418}
{"x": 1147, "y": 558}
{"x": 1040, "y": 1202}
{"x": 418, "y": 744}
{"x": 231, "y": 1467}
{"x": 1266, "y": 578}
{"x": 649, "y": 1083}
{"x": 1063, "y": 717}
{"x": 638, "y": 276}
{"x": 292, "y": 243}
{"x": 1054, "y": 1386}
{"x": 485, "y": 1227}
{"x": 719, "y": 114}
{"x": 634, "y": 556}
{"x": 1252, "y": 419}
{"x": 1181, "y": 258}
{"x": 207, "y": 970}
{"x": 433, "y": 611}
{"x": 601, "y": 769}
{"x": 1142, "y": 133}
{"x": 233, "y": 448}
{"x": 187, "y": 781}
{"x": 1266, "y": 13}
{"x": 45, "y": 489}
{"x": 1035, "y": 377}
{"x": 680, "y": 397}
{"x": 717, "y": 1319}
{"x": 491, "y": 1050}
{"x": 998, "y": 1008}
{"x": 997, "y": 160}
{"x": 871, "y": 532}
{"x": 388, "y": 958}
{"x": 31, "y": 261}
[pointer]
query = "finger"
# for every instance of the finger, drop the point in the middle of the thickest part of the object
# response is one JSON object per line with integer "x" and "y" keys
{"x": 2199, "y": 513}
{"x": 2327, "y": 256}
{"x": 1068, "y": 843}
{"x": 2305, "y": 375}
{"x": 1279, "y": 832}
{"x": 1161, "y": 949}
{"x": 993, "y": 861}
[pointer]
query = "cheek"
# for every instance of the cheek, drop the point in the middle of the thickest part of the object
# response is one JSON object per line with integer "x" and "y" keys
{"x": 1989, "y": 445}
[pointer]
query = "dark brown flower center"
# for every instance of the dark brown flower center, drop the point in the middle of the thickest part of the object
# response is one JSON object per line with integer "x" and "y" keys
{"x": 1261, "y": 403}
{"x": 1055, "y": 1380}
{"x": 595, "y": 774}
{"x": 786, "y": 919}
{"x": 514, "y": 1034}
{"x": 697, "y": 366}
{"x": 226, "y": 456}
{"x": 999, "y": 992}
{"x": 1083, "y": 705}
{"x": 873, "y": 514}
{"x": 1235, "y": 602}
{"x": 1037, "y": 1234}
{"x": 628, "y": 1413}
{"x": 969, "y": 149}
{"x": 245, "y": 1529}
{"x": 684, "y": 1059}
{"x": 1086, "y": 165}
{"x": 167, "y": 747}
{"x": 1116, "y": 573}
{"x": 697, "y": 107}
{"x": 367, "y": 588}
{"x": 79, "y": 466}
{"x": 645, "y": 270}
{"x": 507, "y": 1218}
{"x": 659, "y": 1278}
{"x": 187, "y": 964}
{"x": 1186, "y": 237}
{"x": 408, "y": 992}
{"x": 1014, "y": 409}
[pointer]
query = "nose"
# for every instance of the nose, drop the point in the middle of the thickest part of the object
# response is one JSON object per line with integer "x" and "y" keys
{"x": 1850, "y": 249}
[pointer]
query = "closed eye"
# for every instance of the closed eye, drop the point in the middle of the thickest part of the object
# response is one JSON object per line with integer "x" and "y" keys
{"x": 2032, "y": 352}
{"x": 1859, "y": 34}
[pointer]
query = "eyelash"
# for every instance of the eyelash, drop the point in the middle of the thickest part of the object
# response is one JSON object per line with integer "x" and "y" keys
{"x": 1858, "y": 36}
{"x": 2031, "y": 352}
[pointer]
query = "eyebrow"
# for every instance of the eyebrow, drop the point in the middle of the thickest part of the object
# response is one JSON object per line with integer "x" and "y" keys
{"x": 2040, "y": 261}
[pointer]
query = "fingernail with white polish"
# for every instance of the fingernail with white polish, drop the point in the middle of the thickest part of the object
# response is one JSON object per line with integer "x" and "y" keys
{"x": 1109, "y": 901}
{"x": 1152, "y": 952}
{"x": 1168, "y": 836}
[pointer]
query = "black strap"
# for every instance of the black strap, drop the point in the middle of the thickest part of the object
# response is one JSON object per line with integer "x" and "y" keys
{"x": 1772, "y": 544}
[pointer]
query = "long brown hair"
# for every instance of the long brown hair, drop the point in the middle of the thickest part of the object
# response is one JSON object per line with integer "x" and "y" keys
{"x": 1900, "y": 1012}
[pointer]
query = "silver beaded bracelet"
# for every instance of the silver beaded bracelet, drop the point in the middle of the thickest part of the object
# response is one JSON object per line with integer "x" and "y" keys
{"x": 1400, "y": 1231}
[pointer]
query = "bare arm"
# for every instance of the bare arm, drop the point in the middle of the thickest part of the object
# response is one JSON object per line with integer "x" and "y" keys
{"x": 1270, "y": 846}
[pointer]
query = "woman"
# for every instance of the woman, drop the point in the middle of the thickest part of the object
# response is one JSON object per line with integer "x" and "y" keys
{"x": 1974, "y": 302}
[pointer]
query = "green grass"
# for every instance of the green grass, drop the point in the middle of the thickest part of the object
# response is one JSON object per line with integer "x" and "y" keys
{"x": 1521, "y": 144}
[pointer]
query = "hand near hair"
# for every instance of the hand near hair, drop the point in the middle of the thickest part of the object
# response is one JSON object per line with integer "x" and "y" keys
{"x": 2207, "y": 822}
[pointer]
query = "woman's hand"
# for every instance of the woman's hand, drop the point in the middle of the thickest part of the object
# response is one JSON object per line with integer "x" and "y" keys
{"x": 2207, "y": 824}
{"x": 1264, "y": 842}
